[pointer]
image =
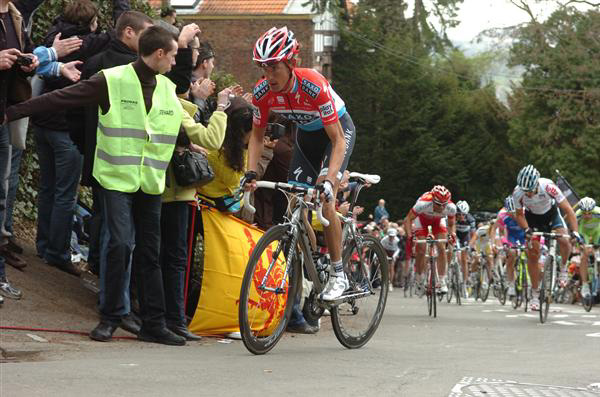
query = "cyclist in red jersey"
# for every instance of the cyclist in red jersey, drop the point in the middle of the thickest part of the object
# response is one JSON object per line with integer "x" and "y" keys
{"x": 325, "y": 137}
{"x": 432, "y": 209}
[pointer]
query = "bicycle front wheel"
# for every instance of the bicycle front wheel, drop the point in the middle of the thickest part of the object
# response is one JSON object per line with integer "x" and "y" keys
{"x": 355, "y": 320}
{"x": 485, "y": 292}
{"x": 272, "y": 279}
{"x": 546, "y": 290}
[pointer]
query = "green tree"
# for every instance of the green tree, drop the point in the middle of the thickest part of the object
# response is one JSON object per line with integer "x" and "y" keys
{"x": 555, "y": 121}
{"x": 422, "y": 117}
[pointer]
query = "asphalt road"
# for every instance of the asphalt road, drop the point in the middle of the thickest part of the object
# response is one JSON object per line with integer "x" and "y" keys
{"x": 473, "y": 350}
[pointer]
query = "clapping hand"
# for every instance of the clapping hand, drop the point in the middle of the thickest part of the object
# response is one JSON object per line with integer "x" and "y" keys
{"x": 66, "y": 46}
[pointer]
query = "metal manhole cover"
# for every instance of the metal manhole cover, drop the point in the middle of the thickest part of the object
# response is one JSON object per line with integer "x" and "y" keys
{"x": 478, "y": 387}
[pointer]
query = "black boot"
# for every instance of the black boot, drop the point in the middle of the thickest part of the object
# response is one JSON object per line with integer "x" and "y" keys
{"x": 161, "y": 335}
{"x": 183, "y": 331}
{"x": 103, "y": 331}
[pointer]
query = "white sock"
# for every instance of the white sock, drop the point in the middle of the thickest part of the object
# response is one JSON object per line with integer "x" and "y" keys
{"x": 338, "y": 268}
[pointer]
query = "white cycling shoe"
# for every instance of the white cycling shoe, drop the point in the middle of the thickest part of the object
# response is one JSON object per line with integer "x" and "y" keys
{"x": 511, "y": 290}
{"x": 443, "y": 286}
{"x": 534, "y": 304}
{"x": 335, "y": 288}
{"x": 585, "y": 291}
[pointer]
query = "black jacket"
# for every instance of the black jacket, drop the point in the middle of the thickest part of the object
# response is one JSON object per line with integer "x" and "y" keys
{"x": 93, "y": 43}
{"x": 14, "y": 86}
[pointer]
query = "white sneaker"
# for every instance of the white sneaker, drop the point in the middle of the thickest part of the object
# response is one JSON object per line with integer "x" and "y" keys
{"x": 511, "y": 289}
{"x": 443, "y": 286}
{"x": 563, "y": 278}
{"x": 534, "y": 304}
{"x": 335, "y": 287}
{"x": 390, "y": 287}
{"x": 585, "y": 291}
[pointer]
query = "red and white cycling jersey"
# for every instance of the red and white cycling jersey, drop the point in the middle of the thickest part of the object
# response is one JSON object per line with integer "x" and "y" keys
{"x": 311, "y": 102}
{"x": 547, "y": 193}
{"x": 423, "y": 208}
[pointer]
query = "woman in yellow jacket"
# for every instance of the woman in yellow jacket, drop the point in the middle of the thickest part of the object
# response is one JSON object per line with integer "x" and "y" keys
{"x": 175, "y": 209}
{"x": 229, "y": 162}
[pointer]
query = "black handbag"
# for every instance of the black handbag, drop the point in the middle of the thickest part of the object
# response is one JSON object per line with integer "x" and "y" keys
{"x": 191, "y": 168}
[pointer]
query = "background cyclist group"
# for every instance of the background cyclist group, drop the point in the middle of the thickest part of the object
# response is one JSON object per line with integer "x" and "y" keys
{"x": 536, "y": 204}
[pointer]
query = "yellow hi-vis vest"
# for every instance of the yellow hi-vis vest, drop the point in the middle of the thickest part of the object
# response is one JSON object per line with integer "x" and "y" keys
{"x": 133, "y": 147}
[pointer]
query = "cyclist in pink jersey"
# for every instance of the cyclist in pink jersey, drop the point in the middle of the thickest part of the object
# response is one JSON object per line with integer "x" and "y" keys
{"x": 325, "y": 137}
{"x": 432, "y": 209}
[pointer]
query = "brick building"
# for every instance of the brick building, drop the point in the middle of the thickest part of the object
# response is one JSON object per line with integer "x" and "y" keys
{"x": 232, "y": 27}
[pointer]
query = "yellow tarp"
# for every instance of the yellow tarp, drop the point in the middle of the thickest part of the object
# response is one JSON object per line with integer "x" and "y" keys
{"x": 228, "y": 244}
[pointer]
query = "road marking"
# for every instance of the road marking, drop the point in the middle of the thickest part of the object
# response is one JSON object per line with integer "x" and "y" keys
{"x": 560, "y": 315}
{"x": 564, "y": 322}
{"x": 37, "y": 338}
{"x": 596, "y": 323}
{"x": 589, "y": 315}
{"x": 512, "y": 315}
{"x": 470, "y": 387}
{"x": 594, "y": 335}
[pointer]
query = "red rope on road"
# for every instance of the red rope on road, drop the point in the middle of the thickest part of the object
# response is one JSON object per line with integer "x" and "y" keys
{"x": 62, "y": 331}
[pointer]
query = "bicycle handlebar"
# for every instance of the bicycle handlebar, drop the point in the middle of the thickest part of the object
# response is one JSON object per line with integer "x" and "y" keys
{"x": 431, "y": 241}
{"x": 549, "y": 235}
{"x": 288, "y": 188}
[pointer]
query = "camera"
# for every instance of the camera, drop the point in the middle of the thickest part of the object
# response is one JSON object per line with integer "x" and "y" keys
{"x": 275, "y": 131}
{"x": 23, "y": 60}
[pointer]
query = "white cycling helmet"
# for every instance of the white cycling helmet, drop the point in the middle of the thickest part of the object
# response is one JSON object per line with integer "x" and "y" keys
{"x": 463, "y": 207}
{"x": 509, "y": 204}
{"x": 392, "y": 232}
{"x": 587, "y": 204}
{"x": 274, "y": 46}
{"x": 528, "y": 178}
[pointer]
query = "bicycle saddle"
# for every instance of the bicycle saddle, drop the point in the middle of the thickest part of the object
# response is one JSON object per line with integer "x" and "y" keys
{"x": 372, "y": 179}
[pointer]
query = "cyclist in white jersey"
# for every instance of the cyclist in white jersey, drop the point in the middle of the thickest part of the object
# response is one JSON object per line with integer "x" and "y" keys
{"x": 391, "y": 244}
{"x": 481, "y": 242}
{"x": 537, "y": 202}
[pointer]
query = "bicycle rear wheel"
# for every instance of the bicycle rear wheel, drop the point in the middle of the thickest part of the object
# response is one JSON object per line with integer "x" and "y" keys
{"x": 355, "y": 320}
{"x": 263, "y": 315}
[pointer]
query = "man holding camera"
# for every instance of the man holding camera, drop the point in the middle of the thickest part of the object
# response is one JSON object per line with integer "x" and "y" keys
{"x": 16, "y": 62}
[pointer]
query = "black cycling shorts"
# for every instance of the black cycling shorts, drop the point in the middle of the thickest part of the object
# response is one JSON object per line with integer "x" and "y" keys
{"x": 463, "y": 238}
{"x": 546, "y": 222}
{"x": 312, "y": 151}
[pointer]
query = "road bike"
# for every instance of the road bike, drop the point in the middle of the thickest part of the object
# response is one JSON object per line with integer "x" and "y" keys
{"x": 499, "y": 287}
{"x": 455, "y": 277}
{"x": 593, "y": 276}
{"x": 273, "y": 276}
{"x": 432, "y": 273}
{"x": 482, "y": 282}
{"x": 522, "y": 280}
{"x": 409, "y": 279}
{"x": 549, "y": 272}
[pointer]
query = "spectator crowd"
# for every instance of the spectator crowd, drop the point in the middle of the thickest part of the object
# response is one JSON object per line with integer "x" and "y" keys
{"x": 112, "y": 108}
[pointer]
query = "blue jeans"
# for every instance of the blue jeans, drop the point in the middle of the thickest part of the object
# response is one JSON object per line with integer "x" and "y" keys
{"x": 13, "y": 184}
{"x": 173, "y": 255}
{"x": 60, "y": 170}
{"x": 4, "y": 173}
{"x": 297, "y": 317}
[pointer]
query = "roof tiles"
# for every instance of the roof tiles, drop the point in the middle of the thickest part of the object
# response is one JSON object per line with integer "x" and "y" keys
{"x": 226, "y": 7}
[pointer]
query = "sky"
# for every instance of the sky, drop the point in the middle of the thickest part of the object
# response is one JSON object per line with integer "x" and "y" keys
{"x": 478, "y": 15}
